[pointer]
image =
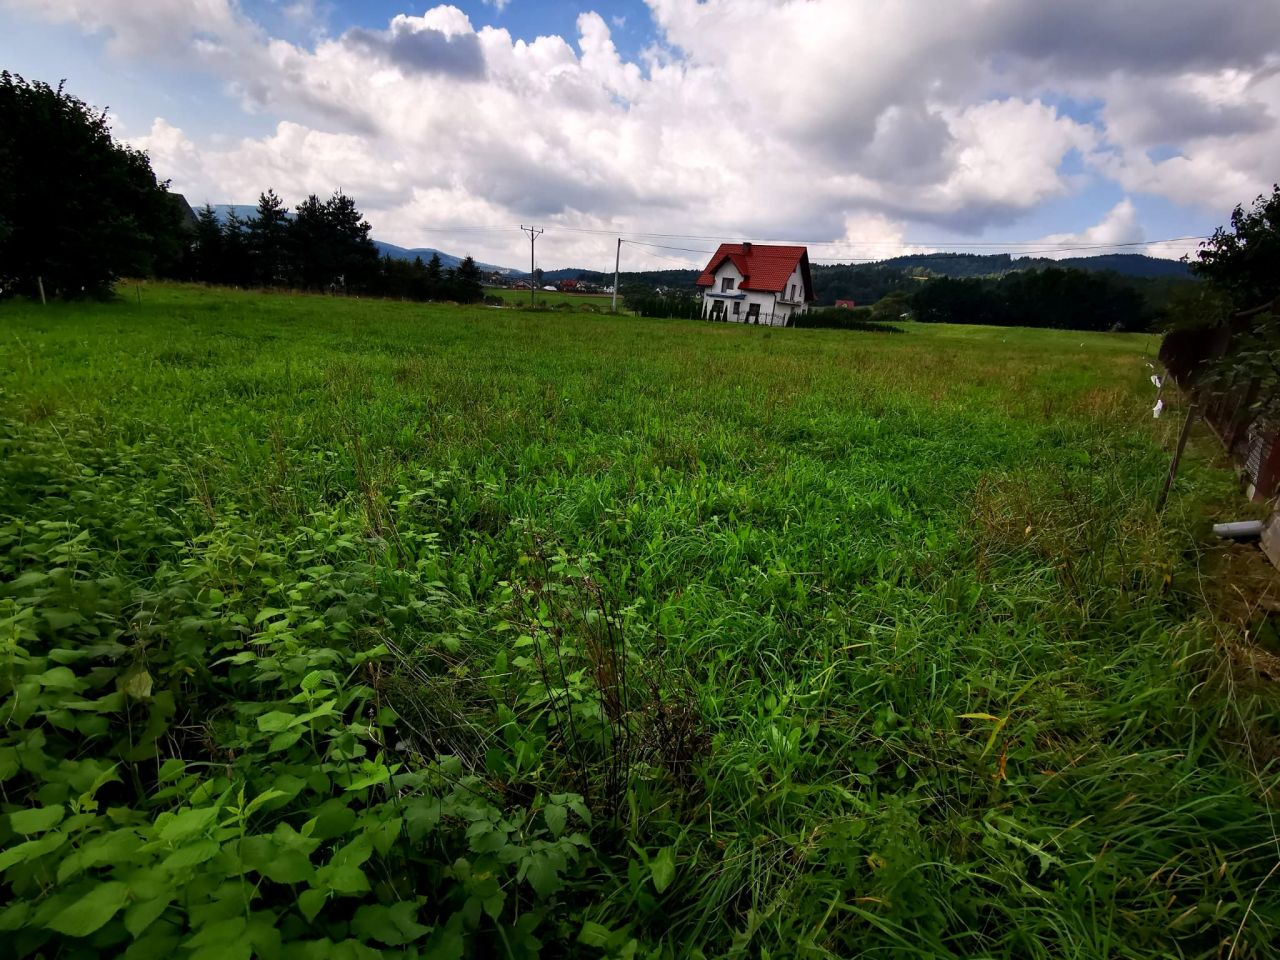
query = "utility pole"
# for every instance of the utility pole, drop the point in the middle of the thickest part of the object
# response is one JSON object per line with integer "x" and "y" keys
{"x": 534, "y": 233}
{"x": 617, "y": 261}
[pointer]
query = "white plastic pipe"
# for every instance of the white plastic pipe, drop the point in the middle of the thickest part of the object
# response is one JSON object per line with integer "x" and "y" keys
{"x": 1239, "y": 530}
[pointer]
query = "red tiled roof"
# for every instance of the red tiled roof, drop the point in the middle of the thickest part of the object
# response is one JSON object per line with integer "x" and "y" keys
{"x": 766, "y": 267}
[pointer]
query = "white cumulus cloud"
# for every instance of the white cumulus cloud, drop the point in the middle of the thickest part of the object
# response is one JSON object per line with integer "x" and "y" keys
{"x": 851, "y": 120}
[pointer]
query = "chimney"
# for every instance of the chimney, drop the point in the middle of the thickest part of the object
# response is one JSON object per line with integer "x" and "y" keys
{"x": 746, "y": 248}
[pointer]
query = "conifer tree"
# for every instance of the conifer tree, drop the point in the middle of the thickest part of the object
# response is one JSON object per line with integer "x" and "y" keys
{"x": 267, "y": 239}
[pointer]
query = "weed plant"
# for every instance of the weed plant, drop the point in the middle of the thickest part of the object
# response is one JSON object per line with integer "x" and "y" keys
{"x": 340, "y": 628}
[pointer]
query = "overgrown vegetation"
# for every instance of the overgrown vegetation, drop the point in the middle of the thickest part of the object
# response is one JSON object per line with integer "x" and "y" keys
{"x": 333, "y": 627}
{"x": 1241, "y": 269}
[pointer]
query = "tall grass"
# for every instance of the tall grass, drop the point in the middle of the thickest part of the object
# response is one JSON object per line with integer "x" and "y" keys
{"x": 852, "y": 644}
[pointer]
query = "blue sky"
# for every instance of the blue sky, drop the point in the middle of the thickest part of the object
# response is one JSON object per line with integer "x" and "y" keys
{"x": 865, "y": 129}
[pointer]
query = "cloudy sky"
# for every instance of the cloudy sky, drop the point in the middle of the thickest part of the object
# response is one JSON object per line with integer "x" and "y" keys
{"x": 861, "y": 127}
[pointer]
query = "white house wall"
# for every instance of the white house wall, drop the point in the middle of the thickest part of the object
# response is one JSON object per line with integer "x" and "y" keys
{"x": 771, "y": 312}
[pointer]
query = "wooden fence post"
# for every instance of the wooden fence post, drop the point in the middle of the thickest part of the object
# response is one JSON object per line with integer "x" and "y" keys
{"x": 1177, "y": 455}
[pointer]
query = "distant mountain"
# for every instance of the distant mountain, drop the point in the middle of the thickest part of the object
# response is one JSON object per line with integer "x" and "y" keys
{"x": 245, "y": 211}
{"x": 574, "y": 273}
{"x": 998, "y": 264}
{"x": 447, "y": 260}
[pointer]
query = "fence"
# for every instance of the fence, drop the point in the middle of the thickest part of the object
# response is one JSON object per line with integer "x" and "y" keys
{"x": 763, "y": 319}
{"x": 1254, "y": 446}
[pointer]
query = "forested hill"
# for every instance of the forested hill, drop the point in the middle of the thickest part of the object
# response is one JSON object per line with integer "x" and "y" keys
{"x": 998, "y": 264}
{"x": 867, "y": 282}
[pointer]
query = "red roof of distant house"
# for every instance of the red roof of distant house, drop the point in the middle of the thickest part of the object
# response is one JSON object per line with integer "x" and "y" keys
{"x": 847, "y": 304}
{"x": 764, "y": 267}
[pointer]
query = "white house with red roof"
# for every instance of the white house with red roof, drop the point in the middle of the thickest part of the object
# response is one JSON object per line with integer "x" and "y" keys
{"x": 756, "y": 283}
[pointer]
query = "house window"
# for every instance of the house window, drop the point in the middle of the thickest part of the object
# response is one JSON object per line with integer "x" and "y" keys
{"x": 737, "y": 307}
{"x": 793, "y": 292}
{"x": 726, "y": 284}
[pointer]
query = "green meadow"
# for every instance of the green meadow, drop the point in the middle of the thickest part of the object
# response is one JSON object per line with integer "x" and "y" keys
{"x": 343, "y": 627}
{"x": 551, "y": 298}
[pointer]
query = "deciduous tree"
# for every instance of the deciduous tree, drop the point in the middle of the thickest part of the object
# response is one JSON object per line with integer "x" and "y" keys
{"x": 77, "y": 209}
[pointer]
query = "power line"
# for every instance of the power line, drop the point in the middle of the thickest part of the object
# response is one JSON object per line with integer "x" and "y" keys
{"x": 662, "y": 246}
{"x": 641, "y": 237}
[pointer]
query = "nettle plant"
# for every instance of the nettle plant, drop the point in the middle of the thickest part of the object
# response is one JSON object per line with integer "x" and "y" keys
{"x": 203, "y": 762}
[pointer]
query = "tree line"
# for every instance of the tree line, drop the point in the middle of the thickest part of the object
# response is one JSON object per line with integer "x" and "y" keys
{"x": 1063, "y": 299}
{"x": 79, "y": 210}
{"x": 323, "y": 245}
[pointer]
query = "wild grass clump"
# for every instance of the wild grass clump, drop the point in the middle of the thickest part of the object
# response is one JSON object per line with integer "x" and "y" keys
{"x": 337, "y": 627}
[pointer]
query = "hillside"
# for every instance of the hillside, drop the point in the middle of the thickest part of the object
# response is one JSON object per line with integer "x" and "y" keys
{"x": 996, "y": 264}
{"x": 447, "y": 260}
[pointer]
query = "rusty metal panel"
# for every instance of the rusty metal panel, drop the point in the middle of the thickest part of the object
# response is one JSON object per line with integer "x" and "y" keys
{"x": 1271, "y": 540}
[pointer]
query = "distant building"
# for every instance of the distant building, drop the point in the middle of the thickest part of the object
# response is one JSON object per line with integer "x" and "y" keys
{"x": 846, "y": 304}
{"x": 756, "y": 283}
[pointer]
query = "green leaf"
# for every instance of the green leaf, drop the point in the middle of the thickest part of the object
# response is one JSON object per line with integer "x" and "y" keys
{"x": 267, "y": 613}
{"x": 188, "y": 823}
{"x": 284, "y": 740}
{"x": 310, "y": 902}
{"x": 380, "y": 775}
{"x": 346, "y": 878}
{"x": 595, "y": 934}
{"x": 262, "y": 798}
{"x": 61, "y": 678}
{"x": 192, "y": 854}
{"x": 136, "y": 682}
{"x": 662, "y": 869}
{"x": 36, "y": 819}
{"x": 288, "y": 866}
{"x": 275, "y": 721}
{"x": 556, "y": 817}
{"x": 395, "y": 925}
{"x": 31, "y": 849}
{"x": 91, "y": 911}
{"x": 142, "y": 914}
{"x": 14, "y": 917}
{"x": 542, "y": 875}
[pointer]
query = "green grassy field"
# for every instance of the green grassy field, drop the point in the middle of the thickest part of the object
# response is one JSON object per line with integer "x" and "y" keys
{"x": 341, "y": 625}
{"x": 548, "y": 298}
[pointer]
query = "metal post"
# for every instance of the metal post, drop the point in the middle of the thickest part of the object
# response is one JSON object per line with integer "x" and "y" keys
{"x": 617, "y": 262}
{"x": 40, "y": 284}
{"x": 1177, "y": 455}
